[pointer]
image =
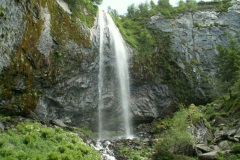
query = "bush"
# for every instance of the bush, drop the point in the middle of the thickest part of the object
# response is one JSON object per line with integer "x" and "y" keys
{"x": 176, "y": 140}
{"x": 236, "y": 149}
{"x": 41, "y": 142}
{"x": 78, "y": 7}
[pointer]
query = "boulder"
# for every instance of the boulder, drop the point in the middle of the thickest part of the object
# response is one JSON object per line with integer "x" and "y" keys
{"x": 232, "y": 132}
{"x": 226, "y": 134}
{"x": 224, "y": 145}
{"x": 203, "y": 148}
{"x": 208, "y": 156}
{"x": 59, "y": 123}
{"x": 200, "y": 132}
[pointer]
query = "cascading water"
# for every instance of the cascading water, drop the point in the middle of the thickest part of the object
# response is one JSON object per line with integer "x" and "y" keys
{"x": 100, "y": 77}
{"x": 117, "y": 45}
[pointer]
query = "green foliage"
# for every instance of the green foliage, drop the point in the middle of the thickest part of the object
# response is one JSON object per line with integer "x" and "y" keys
{"x": 195, "y": 62}
{"x": 228, "y": 62}
{"x": 192, "y": 5}
{"x": 139, "y": 151}
{"x": 78, "y": 7}
{"x": 221, "y": 156}
{"x": 182, "y": 7}
{"x": 176, "y": 140}
{"x": 36, "y": 141}
{"x": 218, "y": 5}
{"x": 134, "y": 154}
{"x": 2, "y": 12}
{"x": 160, "y": 125}
{"x": 236, "y": 149}
{"x": 168, "y": 11}
{"x": 4, "y": 118}
{"x": 194, "y": 114}
{"x": 97, "y": 2}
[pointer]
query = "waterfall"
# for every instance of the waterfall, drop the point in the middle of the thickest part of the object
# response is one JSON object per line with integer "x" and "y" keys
{"x": 118, "y": 47}
{"x": 100, "y": 77}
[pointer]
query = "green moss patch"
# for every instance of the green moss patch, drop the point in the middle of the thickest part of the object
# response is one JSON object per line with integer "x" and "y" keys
{"x": 65, "y": 27}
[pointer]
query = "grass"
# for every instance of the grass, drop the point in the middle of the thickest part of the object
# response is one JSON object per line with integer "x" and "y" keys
{"x": 34, "y": 141}
{"x": 139, "y": 151}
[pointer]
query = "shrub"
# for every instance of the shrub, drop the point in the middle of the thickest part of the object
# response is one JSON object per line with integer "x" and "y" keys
{"x": 42, "y": 142}
{"x": 78, "y": 7}
{"x": 176, "y": 140}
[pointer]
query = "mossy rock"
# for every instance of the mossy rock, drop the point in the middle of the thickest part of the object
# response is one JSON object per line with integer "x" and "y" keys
{"x": 2, "y": 13}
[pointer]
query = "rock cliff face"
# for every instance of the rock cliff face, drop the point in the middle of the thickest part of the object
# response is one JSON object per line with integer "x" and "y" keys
{"x": 11, "y": 30}
{"x": 49, "y": 61}
{"x": 195, "y": 37}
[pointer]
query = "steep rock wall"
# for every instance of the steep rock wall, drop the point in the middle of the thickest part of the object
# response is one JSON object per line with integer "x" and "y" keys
{"x": 11, "y": 29}
{"x": 195, "y": 37}
{"x": 48, "y": 63}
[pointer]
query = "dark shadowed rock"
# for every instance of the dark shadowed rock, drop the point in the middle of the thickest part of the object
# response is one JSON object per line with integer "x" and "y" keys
{"x": 150, "y": 101}
{"x": 208, "y": 156}
{"x": 59, "y": 123}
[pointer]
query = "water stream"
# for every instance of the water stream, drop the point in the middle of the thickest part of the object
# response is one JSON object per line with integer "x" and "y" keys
{"x": 117, "y": 45}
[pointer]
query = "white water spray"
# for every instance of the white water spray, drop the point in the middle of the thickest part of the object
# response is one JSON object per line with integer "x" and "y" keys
{"x": 121, "y": 56}
{"x": 100, "y": 77}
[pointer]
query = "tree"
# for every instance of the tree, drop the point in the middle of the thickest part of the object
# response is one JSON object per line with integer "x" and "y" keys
{"x": 152, "y": 4}
{"x": 164, "y": 4}
{"x": 165, "y": 8}
{"x": 144, "y": 11}
{"x": 228, "y": 62}
{"x": 191, "y": 5}
{"x": 182, "y": 7}
{"x": 113, "y": 12}
{"x": 176, "y": 139}
{"x": 131, "y": 11}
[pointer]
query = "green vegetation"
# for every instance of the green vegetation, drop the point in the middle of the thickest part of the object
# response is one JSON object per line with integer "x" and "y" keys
{"x": 35, "y": 141}
{"x": 175, "y": 141}
{"x": 4, "y": 118}
{"x": 218, "y": 5}
{"x": 80, "y": 7}
{"x": 133, "y": 150}
{"x": 65, "y": 27}
{"x": 2, "y": 12}
{"x": 228, "y": 63}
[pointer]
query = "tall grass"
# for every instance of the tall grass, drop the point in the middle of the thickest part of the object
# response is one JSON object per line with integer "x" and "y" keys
{"x": 34, "y": 141}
